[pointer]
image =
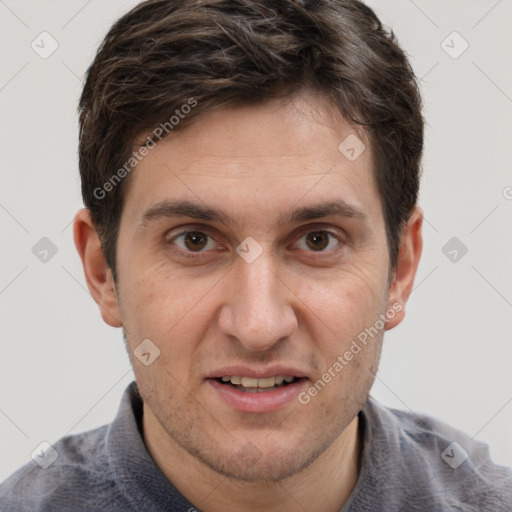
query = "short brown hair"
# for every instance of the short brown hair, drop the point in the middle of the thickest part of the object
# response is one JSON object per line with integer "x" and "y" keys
{"x": 225, "y": 53}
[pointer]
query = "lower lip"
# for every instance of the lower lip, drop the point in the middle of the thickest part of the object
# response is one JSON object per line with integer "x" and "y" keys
{"x": 262, "y": 401}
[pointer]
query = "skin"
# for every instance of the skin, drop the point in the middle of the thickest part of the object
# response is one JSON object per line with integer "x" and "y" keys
{"x": 300, "y": 303}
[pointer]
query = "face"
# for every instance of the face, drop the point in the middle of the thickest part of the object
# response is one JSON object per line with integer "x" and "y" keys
{"x": 251, "y": 247}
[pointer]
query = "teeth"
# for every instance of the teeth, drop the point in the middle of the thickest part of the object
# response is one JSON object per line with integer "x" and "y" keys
{"x": 249, "y": 382}
{"x": 262, "y": 383}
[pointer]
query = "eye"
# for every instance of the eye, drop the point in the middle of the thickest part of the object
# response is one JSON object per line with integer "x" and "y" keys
{"x": 193, "y": 241}
{"x": 318, "y": 241}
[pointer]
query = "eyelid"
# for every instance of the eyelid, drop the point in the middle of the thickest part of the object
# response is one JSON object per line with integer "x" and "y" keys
{"x": 337, "y": 233}
{"x": 188, "y": 228}
{"x": 330, "y": 233}
{"x": 175, "y": 233}
{"x": 210, "y": 239}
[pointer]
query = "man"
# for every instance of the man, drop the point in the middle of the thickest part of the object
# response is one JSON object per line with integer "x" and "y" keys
{"x": 250, "y": 172}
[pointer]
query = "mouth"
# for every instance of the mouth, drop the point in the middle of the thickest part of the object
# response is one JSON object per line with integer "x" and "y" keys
{"x": 261, "y": 392}
{"x": 253, "y": 385}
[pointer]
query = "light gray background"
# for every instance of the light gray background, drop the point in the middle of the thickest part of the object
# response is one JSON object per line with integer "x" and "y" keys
{"x": 63, "y": 370}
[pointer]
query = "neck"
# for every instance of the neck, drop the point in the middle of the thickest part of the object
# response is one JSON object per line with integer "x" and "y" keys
{"x": 324, "y": 485}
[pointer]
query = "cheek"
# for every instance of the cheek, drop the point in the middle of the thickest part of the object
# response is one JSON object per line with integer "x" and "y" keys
{"x": 346, "y": 303}
{"x": 160, "y": 299}
{"x": 346, "y": 379}
{"x": 176, "y": 311}
{"x": 341, "y": 318}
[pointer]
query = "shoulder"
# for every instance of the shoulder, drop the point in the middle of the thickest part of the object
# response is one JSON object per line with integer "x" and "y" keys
{"x": 73, "y": 474}
{"x": 429, "y": 464}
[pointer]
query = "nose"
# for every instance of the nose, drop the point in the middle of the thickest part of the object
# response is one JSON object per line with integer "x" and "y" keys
{"x": 259, "y": 309}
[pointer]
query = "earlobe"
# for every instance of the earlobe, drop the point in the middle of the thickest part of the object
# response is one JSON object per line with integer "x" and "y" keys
{"x": 97, "y": 273}
{"x": 411, "y": 244}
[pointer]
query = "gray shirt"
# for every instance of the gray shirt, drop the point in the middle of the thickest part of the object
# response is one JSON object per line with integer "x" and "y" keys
{"x": 409, "y": 463}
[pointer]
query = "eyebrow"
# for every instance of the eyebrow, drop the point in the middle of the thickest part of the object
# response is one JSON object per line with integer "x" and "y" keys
{"x": 185, "y": 208}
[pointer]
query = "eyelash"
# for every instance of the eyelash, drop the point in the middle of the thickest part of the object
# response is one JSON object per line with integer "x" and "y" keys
{"x": 203, "y": 231}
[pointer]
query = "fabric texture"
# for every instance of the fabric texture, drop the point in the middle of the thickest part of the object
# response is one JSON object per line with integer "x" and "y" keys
{"x": 409, "y": 463}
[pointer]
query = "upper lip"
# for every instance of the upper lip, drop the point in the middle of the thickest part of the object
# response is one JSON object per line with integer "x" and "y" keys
{"x": 256, "y": 373}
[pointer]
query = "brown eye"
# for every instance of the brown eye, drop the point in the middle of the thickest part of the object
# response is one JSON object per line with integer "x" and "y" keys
{"x": 318, "y": 241}
{"x": 193, "y": 241}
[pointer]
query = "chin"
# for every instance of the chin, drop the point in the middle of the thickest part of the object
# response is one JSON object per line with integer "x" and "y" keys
{"x": 249, "y": 464}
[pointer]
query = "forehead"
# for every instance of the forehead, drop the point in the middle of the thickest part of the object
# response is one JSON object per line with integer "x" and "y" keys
{"x": 253, "y": 158}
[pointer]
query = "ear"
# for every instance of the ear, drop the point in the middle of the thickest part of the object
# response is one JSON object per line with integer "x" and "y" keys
{"x": 411, "y": 244}
{"x": 97, "y": 273}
